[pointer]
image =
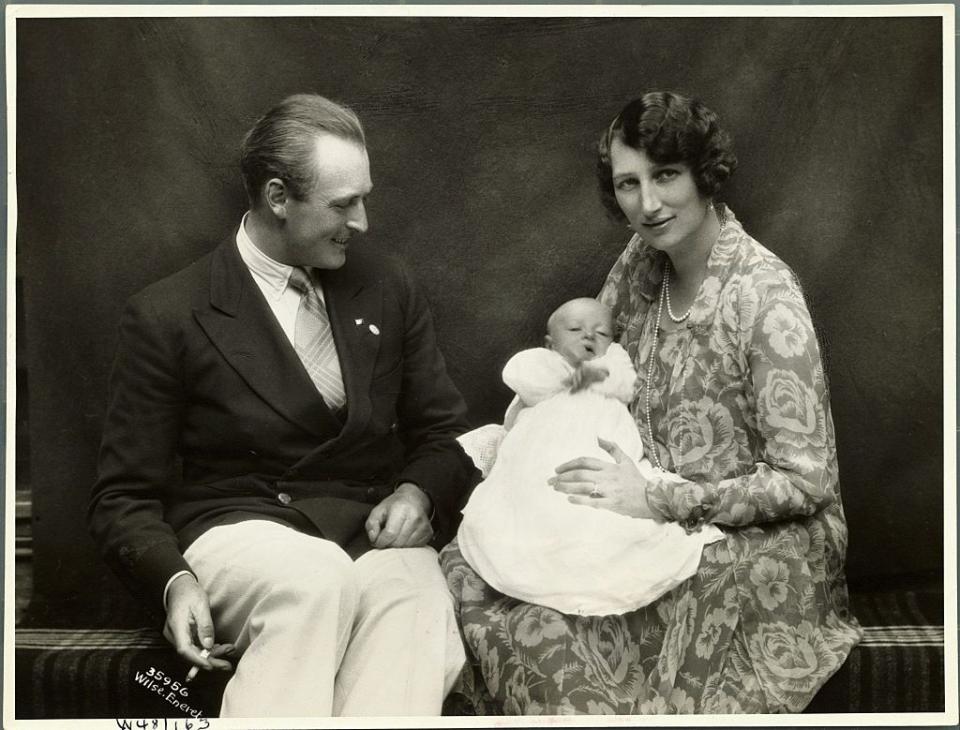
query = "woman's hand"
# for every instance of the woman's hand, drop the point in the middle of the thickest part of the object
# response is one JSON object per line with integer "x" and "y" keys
{"x": 618, "y": 487}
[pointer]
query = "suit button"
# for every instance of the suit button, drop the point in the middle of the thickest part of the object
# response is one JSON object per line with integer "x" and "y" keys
{"x": 371, "y": 492}
{"x": 284, "y": 498}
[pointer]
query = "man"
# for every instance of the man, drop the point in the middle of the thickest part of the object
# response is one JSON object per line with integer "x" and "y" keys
{"x": 279, "y": 434}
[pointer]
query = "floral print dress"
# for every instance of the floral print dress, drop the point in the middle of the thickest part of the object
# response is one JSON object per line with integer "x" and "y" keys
{"x": 740, "y": 410}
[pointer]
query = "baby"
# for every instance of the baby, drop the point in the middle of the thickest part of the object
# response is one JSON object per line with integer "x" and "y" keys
{"x": 529, "y": 541}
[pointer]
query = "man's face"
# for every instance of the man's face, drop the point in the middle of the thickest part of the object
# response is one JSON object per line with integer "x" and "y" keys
{"x": 316, "y": 230}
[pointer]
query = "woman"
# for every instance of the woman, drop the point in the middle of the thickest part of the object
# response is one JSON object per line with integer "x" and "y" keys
{"x": 732, "y": 398}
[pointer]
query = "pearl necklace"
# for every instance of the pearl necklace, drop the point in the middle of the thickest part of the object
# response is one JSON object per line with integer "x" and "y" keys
{"x": 666, "y": 278}
{"x": 653, "y": 356}
{"x": 665, "y": 294}
{"x": 666, "y": 288}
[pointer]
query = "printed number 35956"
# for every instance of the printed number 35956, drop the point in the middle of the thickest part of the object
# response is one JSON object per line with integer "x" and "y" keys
{"x": 167, "y": 681}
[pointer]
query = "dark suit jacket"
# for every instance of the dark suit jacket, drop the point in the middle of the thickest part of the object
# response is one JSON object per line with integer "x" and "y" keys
{"x": 212, "y": 419}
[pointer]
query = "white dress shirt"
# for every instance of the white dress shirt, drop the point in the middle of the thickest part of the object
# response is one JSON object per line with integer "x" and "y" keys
{"x": 273, "y": 278}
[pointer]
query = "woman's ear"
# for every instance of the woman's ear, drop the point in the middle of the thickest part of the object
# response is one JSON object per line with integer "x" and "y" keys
{"x": 275, "y": 195}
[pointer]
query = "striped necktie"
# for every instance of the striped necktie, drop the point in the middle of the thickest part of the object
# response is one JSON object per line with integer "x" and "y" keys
{"x": 313, "y": 341}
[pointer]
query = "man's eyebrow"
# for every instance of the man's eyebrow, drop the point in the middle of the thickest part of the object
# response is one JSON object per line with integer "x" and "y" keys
{"x": 347, "y": 197}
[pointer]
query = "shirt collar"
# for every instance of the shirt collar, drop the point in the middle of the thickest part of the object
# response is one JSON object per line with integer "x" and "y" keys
{"x": 272, "y": 273}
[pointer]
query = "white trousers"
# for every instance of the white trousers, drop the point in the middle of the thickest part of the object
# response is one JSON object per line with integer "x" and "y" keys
{"x": 322, "y": 635}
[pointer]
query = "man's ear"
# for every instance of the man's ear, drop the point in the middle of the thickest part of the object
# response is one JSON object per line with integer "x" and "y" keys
{"x": 275, "y": 195}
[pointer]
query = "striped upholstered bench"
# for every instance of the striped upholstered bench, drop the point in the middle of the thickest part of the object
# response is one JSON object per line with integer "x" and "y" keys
{"x": 899, "y": 664}
{"x": 104, "y": 673}
{"x": 129, "y": 673}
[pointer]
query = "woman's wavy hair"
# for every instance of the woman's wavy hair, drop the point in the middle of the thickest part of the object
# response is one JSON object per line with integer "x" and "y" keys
{"x": 670, "y": 128}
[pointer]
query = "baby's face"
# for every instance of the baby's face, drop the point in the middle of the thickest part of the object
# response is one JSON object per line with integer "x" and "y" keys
{"x": 581, "y": 330}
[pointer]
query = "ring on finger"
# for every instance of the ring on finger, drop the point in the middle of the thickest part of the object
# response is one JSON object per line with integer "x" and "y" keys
{"x": 596, "y": 493}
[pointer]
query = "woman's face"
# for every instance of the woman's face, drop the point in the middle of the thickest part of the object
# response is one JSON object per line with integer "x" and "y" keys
{"x": 661, "y": 202}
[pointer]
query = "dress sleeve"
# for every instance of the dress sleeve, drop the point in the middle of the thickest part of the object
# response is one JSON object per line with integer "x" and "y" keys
{"x": 536, "y": 374}
{"x": 796, "y": 472}
{"x": 620, "y": 290}
{"x": 622, "y": 378}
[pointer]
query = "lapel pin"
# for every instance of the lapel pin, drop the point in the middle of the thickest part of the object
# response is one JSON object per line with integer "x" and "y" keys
{"x": 375, "y": 329}
{"x": 359, "y": 321}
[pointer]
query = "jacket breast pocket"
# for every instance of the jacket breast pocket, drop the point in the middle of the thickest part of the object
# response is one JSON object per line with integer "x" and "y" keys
{"x": 388, "y": 380}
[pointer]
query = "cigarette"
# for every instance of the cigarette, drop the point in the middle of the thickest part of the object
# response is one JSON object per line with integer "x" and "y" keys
{"x": 194, "y": 671}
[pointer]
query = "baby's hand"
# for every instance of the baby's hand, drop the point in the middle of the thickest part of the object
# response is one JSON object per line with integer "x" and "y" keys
{"x": 585, "y": 374}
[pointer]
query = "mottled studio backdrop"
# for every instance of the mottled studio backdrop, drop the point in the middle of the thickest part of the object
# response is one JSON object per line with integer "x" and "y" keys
{"x": 481, "y": 135}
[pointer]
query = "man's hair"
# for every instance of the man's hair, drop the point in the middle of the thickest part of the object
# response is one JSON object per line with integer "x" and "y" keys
{"x": 670, "y": 128}
{"x": 281, "y": 143}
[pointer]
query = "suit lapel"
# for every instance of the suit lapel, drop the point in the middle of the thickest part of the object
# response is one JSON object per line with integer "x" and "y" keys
{"x": 242, "y": 327}
{"x": 354, "y": 304}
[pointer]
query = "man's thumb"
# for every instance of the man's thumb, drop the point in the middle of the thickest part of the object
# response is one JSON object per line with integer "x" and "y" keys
{"x": 204, "y": 626}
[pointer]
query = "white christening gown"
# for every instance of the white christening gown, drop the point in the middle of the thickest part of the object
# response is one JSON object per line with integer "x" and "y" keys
{"x": 528, "y": 541}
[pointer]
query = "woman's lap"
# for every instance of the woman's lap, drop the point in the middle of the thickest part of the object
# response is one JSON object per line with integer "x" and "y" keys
{"x": 685, "y": 653}
{"x": 534, "y": 660}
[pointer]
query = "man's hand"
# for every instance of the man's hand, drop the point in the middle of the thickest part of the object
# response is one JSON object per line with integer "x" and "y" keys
{"x": 189, "y": 626}
{"x": 401, "y": 520}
